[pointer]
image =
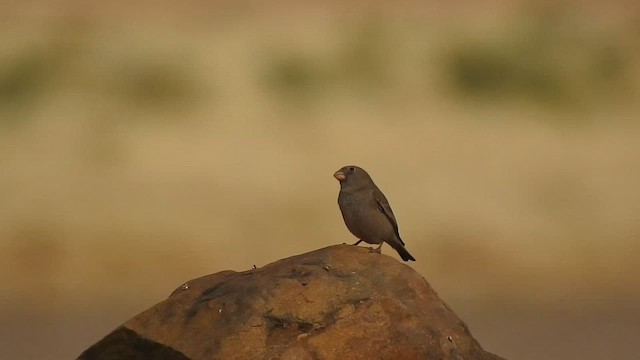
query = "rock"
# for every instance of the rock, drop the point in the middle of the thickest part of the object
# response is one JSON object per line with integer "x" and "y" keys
{"x": 340, "y": 302}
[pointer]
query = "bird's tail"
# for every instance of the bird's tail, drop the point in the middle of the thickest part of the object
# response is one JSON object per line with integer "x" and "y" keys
{"x": 398, "y": 246}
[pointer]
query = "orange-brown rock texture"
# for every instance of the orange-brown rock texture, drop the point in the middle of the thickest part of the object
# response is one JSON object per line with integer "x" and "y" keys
{"x": 341, "y": 302}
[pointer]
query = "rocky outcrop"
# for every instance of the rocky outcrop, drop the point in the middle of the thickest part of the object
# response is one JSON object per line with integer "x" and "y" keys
{"x": 341, "y": 302}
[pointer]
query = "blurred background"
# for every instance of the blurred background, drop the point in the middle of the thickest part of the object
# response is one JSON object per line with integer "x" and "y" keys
{"x": 144, "y": 144}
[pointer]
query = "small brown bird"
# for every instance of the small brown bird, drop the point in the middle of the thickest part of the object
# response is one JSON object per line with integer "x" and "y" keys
{"x": 366, "y": 211}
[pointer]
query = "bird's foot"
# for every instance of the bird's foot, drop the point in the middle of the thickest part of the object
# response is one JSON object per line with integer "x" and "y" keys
{"x": 377, "y": 250}
{"x": 357, "y": 242}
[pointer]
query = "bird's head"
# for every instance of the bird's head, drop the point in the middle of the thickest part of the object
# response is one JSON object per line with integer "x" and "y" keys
{"x": 352, "y": 176}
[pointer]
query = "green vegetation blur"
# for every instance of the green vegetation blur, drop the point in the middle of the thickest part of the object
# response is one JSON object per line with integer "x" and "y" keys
{"x": 145, "y": 145}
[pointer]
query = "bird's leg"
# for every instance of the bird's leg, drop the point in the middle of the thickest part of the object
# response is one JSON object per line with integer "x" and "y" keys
{"x": 378, "y": 250}
{"x": 358, "y": 242}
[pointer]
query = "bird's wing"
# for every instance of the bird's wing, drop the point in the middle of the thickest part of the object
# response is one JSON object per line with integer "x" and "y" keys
{"x": 384, "y": 206}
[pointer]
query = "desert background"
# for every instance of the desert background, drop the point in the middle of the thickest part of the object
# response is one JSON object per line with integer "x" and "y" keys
{"x": 146, "y": 144}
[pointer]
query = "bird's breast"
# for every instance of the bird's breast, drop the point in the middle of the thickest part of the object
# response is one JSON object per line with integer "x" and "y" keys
{"x": 362, "y": 217}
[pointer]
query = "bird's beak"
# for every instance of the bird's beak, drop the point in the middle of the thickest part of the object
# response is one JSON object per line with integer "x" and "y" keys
{"x": 339, "y": 175}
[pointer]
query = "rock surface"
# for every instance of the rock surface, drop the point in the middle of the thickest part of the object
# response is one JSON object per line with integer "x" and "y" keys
{"x": 340, "y": 302}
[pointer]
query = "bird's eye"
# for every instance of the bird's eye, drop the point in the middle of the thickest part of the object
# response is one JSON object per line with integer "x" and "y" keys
{"x": 352, "y": 169}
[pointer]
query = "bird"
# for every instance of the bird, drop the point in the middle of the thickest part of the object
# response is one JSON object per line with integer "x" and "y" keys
{"x": 366, "y": 211}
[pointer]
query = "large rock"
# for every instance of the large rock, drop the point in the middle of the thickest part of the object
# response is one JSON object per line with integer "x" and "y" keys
{"x": 340, "y": 302}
